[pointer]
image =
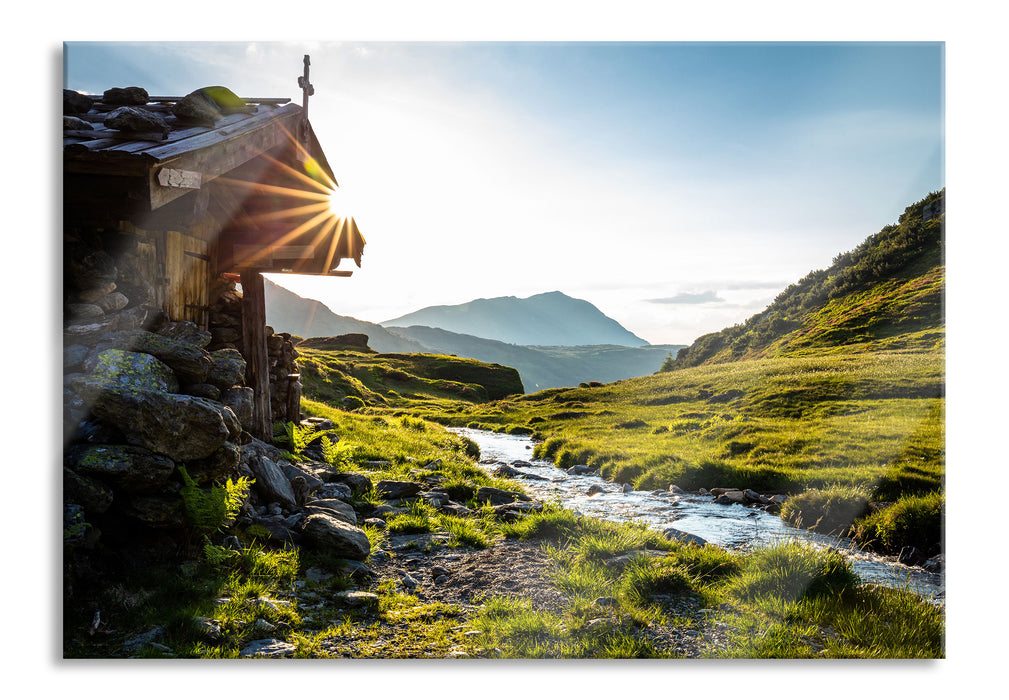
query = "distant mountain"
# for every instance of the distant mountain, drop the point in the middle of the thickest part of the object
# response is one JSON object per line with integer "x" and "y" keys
{"x": 886, "y": 294}
{"x": 552, "y": 318}
{"x": 546, "y": 367}
{"x": 308, "y": 318}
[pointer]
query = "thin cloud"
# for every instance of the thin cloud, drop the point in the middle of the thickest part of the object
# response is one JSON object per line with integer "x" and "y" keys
{"x": 689, "y": 298}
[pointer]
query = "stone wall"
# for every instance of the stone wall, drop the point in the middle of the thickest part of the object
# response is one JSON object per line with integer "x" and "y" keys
{"x": 144, "y": 395}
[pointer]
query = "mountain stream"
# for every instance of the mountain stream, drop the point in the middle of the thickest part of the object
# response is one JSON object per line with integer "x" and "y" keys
{"x": 733, "y": 527}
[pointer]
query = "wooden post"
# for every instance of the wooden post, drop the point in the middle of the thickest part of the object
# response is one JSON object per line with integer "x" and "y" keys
{"x": 257, "y": 369}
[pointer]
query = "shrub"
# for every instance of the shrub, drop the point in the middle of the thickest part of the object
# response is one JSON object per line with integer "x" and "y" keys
{"x": 831, "y": 510}
{"x": 792, "y": 571}
{"x": 912, "y": 521}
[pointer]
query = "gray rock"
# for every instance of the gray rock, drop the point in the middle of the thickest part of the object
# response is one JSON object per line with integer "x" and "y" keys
{"x": 92, "y": 494}
{"x": 91, "y": 296}
{"x": 206, "y": 391}
{"x": 227, "y": 368}
{"x": 162, "y": 512}
{"x": 84, "y": 312}
{"x": 397, "y": 489}
{"x": 333, "y": 507}
{"x": 136, "y": 120}
{"x": 178, "y": 426}
{"x": 334, "y": 490}
{"x": 581, "y": 470}
{"x": 497, "y": 497}
{"x": 672, "y": 533}
{"x": 333, "y": 536}
{"x": 267, "y": 649}
{"x": 357, "y": 599}
{"x": 125, "y": 96}
{"x": 190, "y": 362}
{"x": 186, "y": 332}
{"x": 220, "y": 465}
{"x": 239, "y": 399}
{"x": 128, "y": 467}
{"x": 271, "y": 482}
{"x": 134, "y": 370}
{"x": 113, "y": 302}
{"x": 358, "y": 483}
{"x": 73, "y": 356}
{"x": 594, "y": 489}
{"x": 76, "y": 103}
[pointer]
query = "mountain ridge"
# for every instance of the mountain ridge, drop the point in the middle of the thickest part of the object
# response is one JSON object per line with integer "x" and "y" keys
{"x": 549, "y": 318}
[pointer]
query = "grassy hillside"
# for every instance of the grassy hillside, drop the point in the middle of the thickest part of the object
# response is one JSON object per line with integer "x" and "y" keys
{"x": 546, "y": 367}
{"x": 338, "y": 374}
{"x": 835, "y": 395}
{"x": 885, "y": 294}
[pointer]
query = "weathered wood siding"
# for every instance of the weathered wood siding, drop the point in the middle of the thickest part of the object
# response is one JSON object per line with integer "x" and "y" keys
{"x": 187, "y": 278}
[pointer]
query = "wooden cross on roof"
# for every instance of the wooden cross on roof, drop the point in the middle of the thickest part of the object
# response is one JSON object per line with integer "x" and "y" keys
{"x": 307, "y": 90}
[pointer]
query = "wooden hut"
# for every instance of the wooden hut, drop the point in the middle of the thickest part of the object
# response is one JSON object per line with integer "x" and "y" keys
{"x": 207, "y": 185}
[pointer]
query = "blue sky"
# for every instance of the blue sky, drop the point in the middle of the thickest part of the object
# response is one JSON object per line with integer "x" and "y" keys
{"x": 676, "y": 186}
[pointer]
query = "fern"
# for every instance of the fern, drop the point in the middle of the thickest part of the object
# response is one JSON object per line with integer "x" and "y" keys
{"x": 210, "y": 509}
{"x": 298, "y": 436}
{"x": 337, "y": 454}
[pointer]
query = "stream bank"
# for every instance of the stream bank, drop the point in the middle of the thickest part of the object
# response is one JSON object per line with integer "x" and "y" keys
{"x": 733, "y": 527}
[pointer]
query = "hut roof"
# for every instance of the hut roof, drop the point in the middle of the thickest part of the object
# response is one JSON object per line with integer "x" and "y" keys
{"x": 258, "y": 159}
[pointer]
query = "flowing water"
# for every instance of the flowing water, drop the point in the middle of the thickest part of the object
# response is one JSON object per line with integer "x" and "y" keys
{"x": 733, "y": 527}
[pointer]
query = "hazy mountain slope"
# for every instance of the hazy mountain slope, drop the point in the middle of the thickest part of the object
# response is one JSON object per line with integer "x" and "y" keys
{"x": 885, "y": 294}
{"x": 308, "y": 318}
{"x": 552, "y": 318}
{"x": 543, "y": 367}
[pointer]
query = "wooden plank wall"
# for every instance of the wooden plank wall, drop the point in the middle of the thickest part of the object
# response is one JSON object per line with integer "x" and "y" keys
{"x": 187, "y": 270}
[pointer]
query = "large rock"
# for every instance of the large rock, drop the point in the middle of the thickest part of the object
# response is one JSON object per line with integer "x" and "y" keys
{"x": 186, "y": 332}
{"x": 220, "y": 465}
{"x": 334, "y": 507}
{"x": 227, "y": 368}
{"x": 162, "y": 512}
{"x": 335, "y": 537}
{"x": 176, "y": 425}
{"x": 136, "y": 120}
{"x": 122, "y": 466}
{"x": 135, "y": 370}
{"x": 240, "y": 399}
{"x": 397, "y": 489}
{"x": 271, "y": 482}
{"x": 498, "y": 497}
{"x": 92, "y": 494}
{"x": 189, "y": 361}
{"x": 672, "y": 533}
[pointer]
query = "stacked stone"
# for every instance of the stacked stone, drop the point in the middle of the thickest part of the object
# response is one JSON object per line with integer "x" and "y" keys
{"x": 140, "y": 403}
{"x": 225, "y": 315}
{"x": 104, "y": 289}
{"x": 285, "y": 377}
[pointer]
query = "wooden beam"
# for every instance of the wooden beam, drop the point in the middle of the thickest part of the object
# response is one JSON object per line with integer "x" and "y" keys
{"x": 257, "y": 367}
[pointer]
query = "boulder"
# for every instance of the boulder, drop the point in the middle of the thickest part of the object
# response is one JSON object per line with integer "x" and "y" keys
{"x": 594, "y": 489}
{"x": 335, "y": 537}
{"x": 134, "y": 370}
{"x": 163, "y": 512}
{"x": 93, "y": 495}
{"x": 393, "y": 490}
{"x": 126, "y": 467}
{"x": 334, "y": 507}
{"x": 498, "y": 497}
{"x": 271, "y": 482}
{"x": 239, "y": 399}
{"x": 227, "y": 368}
{"x": 220, "y": 465}
{"x": 186, "y": 332}
{"x": 190, "y": 362}
{"x": 178, "y": 426}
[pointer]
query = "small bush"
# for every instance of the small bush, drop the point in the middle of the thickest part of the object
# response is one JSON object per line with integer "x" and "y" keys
{"x": 832, "y": 510}
{"x": 913, "y": 521}
{"x": 792, "y": 571}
